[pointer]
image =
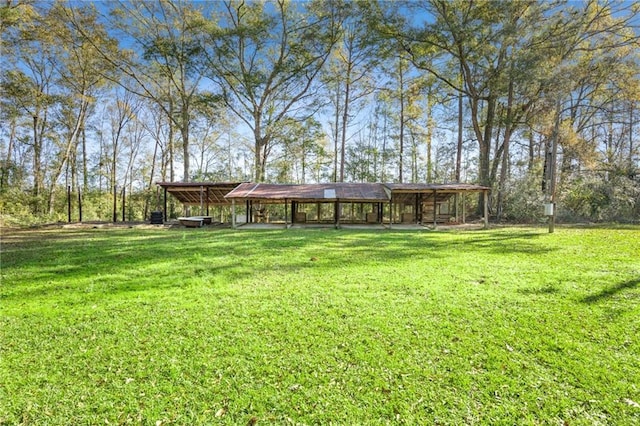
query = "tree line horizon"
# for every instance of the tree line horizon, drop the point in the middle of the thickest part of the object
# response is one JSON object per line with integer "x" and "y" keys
{"x": 538, "y": 100}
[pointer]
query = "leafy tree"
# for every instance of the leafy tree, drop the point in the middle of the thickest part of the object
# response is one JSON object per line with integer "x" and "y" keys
{"x": 265, "y": 57}
{"x": 80, "y": 70}
{"x": 354, "y": 62}
{"x": 29, "y": 91}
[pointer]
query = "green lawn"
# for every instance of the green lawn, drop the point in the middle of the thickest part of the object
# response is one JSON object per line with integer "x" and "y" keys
{"x": 198, "y": 326}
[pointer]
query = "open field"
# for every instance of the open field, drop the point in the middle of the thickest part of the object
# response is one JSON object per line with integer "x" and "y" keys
{"x": 200, "y": 326}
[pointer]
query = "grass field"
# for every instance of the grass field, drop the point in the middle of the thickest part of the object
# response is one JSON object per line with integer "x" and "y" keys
{"x": 503, "y": 326}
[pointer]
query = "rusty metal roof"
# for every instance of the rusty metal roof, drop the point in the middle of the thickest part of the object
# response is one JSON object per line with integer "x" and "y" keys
{"x": 317, "y": 192}
{"x": 221, "y": 193}
{"x": 439, "y": 187}
{"x": 197, "y": 193}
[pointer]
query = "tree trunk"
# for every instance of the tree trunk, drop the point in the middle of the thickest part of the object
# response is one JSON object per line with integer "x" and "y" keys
{"x": 429, "y": 138}
{"x": 71, "y": 143}
{"x": 484, "y": 143}
{"x": 85, "y": 169}
{"x": 7, "y": 161}
{"x": 336, "y": 135}
{"x": 38, "y": 181}
{"x": 258, "y": 160}
{"x": 460, "y": 134}
{"x": 184, "y": 132}
{"x": 401, "y": 136}
{"x": 345, "y": 119}
{"x": 383, "y": 166}
{"x": 504, "y": 171}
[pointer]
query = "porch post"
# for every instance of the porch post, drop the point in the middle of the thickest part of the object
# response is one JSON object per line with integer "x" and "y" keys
{"x": 293, "y": 212}
{"x": 165, "y": 205}
{"x": 455, "y": 206}
{"x": 201, "y": 199}
{"x": 286, "y": 213}
{"x": 435, "y": 208}
{"x": 464, "y": 209}
{"x": 207, "y": 201}
{"x": 486, "y": 208}
{"x": 233, "y": 213}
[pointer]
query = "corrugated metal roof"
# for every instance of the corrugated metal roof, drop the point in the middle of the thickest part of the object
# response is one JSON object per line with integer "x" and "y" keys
{"x": 221, "y": 193}
{"x": 440, "y": 187}
{"x": 195, "y": 193}
{"x": 317, "y": 192}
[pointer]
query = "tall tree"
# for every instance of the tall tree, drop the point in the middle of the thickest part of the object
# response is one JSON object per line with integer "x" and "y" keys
{"x": 161, "y": 58}
{"x": 356, "y": 57}
{"x": 30, "y": 89}
{"x": 265, "y": 58}
{"x": 81, "y": 70}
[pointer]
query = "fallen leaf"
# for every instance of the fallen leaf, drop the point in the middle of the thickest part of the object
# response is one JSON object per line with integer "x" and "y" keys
{"x": 221, "y": 412}
{"x": 631, "y": 403}
{"x": 509, "y": 348}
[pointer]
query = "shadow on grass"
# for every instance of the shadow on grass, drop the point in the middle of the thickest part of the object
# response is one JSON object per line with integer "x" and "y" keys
{"x": 612, "y": 291}
{"x": 539, "y": 291}
{"x": 65, "y": 262}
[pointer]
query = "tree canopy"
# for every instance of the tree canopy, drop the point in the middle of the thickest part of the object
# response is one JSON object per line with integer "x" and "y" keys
{"x": 110, "y": 97}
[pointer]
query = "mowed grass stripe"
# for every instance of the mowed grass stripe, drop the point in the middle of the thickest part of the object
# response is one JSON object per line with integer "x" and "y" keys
{"x": 504, "y": 326}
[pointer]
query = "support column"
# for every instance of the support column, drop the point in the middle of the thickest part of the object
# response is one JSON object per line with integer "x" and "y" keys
{"x": 201, "y": 200}
{"x": 233, "y": 213}
{"x": 435, "y": 208}
{"x": 286, "y": 213}
{"x": 455, "y": 206}
{"x": 248, "y": 208}
{"x": 207, "y": 201}
{"x": 165, "y": 204}
{"x": 464, "y": 208}
{"x": 486, "y": 208}
{"x": 294, "y": 209}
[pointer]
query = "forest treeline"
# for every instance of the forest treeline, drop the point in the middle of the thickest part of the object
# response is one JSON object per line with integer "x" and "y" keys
{"x": 104, "y": 99}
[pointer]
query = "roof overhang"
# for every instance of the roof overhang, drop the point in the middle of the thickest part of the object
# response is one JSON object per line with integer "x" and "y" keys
{"x": 416, "y": 188}
{"x": 223, "y": 193}
{"x": 200, "y": 193}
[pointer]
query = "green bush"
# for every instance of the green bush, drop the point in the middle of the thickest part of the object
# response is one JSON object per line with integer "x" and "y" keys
{"x": 524, "y": 200}
{"x": 600, "y": 198}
